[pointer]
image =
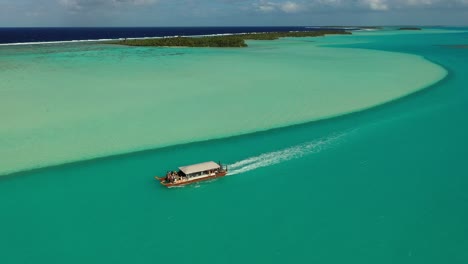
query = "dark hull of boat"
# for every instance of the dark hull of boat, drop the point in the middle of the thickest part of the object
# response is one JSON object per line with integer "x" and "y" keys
{"x": 180, "y": 183}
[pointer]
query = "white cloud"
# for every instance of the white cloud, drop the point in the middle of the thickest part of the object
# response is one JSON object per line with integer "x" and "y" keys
{"x": 265, "y": 6}
{"x": 143, "y": 2}
{"x": 290, "y": 7}
{"x": 95, "y": 4}
{"x": 420, "y": 2}
{"x": 262, "y": 6}
{"x": 382, "y": 5}
{"x": 335, "y": 3}
{"x": 379, "y": 5}
{"x": 286, "y": 7}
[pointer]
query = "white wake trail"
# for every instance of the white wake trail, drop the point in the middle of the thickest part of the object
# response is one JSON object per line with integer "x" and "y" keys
{"x": 275, "y": 157}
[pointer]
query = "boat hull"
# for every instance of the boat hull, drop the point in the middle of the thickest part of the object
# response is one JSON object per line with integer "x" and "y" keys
{"x": 180, "y": 183}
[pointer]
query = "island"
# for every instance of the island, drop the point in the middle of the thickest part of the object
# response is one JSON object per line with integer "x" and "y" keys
{"x": 235, "y": 40}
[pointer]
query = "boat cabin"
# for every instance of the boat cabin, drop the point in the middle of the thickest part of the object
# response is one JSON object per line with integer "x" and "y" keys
{"x": 193, "y": 173}
{"x": 200, "y": 169}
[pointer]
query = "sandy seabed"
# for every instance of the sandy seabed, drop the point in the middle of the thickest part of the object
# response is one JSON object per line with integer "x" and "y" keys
{"x": 70, "y": 102}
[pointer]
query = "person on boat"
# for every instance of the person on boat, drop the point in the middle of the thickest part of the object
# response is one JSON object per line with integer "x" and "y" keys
{"x": 170, "y": 178}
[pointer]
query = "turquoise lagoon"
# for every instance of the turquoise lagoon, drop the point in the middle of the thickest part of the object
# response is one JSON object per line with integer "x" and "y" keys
{"x": 386, "y": 185}
{"x": 74, "y": 102}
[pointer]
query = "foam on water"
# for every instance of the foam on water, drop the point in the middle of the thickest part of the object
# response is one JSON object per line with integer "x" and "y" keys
{"x": 275, "y": 157}
{"x": 294, "y": 152}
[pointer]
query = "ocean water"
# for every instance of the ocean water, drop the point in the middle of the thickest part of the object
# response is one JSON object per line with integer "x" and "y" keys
{"x": 386, "y": 185}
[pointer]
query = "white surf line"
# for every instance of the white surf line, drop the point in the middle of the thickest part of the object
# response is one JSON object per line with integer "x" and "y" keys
{"x": 76, "y": 41}
{"x": 111, "y": 39}
{"x": 130, "y": 38}
{"x": 55, "y": 42}
{"x": 275, "y": 157}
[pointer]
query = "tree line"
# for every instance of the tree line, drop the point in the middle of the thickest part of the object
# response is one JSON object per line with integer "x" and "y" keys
{"x": 237, "y": 40}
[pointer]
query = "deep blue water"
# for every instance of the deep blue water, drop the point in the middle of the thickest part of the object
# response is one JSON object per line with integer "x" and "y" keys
{"x": 24, "y": 35}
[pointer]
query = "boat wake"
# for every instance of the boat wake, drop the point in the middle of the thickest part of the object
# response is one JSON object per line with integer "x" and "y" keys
{"x": 275, "y": 157}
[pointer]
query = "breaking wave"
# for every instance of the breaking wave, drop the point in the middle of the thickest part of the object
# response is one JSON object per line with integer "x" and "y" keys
{"x": 279, "y": 156}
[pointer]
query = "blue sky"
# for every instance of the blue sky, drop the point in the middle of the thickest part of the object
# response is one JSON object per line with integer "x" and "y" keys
{"x": 231, "y": 12}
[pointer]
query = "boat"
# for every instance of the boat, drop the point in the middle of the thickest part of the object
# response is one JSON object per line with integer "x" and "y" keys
{"x": 193, "y": 173}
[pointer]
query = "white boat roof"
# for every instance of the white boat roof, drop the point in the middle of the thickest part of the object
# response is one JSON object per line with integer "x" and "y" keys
{"x": 210, "y": 165}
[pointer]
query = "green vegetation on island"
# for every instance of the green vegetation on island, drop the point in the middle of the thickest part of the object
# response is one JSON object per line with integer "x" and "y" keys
{"x": 237, "y": 40}
{"x": 215, "y": 41}
{"x": 294, "y": 34}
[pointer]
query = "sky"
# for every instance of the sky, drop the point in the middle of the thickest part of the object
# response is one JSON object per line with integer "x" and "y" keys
{"x": 58, "y": 13}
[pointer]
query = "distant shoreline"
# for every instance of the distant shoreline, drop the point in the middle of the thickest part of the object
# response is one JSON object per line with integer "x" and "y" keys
{"x": 233, "y": 40}
{"x": 33, "y": 36}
